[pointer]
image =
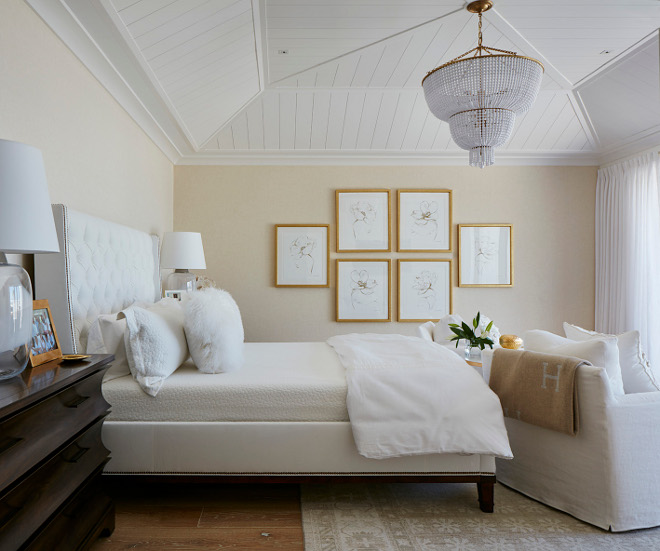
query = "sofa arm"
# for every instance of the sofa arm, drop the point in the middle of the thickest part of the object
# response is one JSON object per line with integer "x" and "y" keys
{"x": 425, "y": 331}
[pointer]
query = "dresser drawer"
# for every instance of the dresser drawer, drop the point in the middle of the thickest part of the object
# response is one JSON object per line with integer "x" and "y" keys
{"x": 36, "y": 432}
{"x": 80, "y": 523}
{"x": 27, "y": 506}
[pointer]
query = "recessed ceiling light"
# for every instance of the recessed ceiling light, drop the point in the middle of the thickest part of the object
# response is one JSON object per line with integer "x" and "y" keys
{"x": 282, "y": 52}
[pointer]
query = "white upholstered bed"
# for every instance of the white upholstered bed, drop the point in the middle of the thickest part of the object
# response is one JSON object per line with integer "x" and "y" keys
{"x": 241, "y": 425}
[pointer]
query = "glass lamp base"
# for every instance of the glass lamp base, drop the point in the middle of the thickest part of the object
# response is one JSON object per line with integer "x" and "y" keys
{"x": 181, "y": 280}
{"x": 15, "y": 319}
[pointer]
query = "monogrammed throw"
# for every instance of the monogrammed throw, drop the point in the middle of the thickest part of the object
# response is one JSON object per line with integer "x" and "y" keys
{"x": 540, "y": 389}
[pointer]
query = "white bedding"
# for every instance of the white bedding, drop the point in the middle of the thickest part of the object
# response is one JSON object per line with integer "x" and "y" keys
{"x": 279, "y": 382}
{"x": 408, "y": 396}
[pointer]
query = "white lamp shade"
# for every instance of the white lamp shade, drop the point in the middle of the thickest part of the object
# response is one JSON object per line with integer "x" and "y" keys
{"x": 182, "y": 251}
{"x": 26, "y": 218}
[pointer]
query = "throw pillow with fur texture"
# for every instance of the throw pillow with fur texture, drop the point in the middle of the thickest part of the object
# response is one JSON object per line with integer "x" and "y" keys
{"x": 214, "y": 331}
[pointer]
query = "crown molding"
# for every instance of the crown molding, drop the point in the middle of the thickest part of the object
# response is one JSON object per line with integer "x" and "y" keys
{"x": 152, "y": 117}
{"x": 386, "y": 158}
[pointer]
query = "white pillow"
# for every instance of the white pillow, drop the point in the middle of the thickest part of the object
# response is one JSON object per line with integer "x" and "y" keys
{"x": 155, "y": 342}
{"x": 425, "y": 331}
{"x": 601, "y": 352}
{"x": 441, "y": 331}
{"x": 106, "y": 336}
{"x": 635, "y": 369}
{"x": 214, "y": 330}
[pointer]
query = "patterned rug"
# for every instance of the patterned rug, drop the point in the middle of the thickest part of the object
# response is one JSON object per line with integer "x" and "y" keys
{"x": 433, "y": 517}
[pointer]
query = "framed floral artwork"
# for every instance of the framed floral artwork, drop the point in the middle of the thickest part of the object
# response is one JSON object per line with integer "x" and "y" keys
{"x": 425, "y": 289}
{"x": 363, "y": 220}
{"x": 302, "y": 255}
{"x": 424, "y": 220}
{"x": 485, "y": 255}
{"x": 363, "y": 290}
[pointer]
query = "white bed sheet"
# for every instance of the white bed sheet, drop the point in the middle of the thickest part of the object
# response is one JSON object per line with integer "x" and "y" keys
{"x": 279, "y": 382}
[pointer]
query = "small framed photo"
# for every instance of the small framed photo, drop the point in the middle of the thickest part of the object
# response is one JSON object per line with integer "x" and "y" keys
{"x": 363, "y": 290}
{"x": 424, "y": 220}
{"x": 485, "y": 255}
{"x": 363, "y": 220}
{"x": 177, "y": 294}
{"x": 425, "y": 289}
{"x": 302, "y": 255}
{"x": 44, "y": 345}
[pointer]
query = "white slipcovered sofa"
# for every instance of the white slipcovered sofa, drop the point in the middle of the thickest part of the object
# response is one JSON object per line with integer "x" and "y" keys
{"x": 609, "y": 474}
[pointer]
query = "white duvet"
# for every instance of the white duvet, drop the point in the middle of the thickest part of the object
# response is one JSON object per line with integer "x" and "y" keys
{"x": 408, "y": 396}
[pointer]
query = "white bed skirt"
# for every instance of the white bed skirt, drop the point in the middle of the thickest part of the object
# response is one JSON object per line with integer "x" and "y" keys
{"x": 282, "y": 448}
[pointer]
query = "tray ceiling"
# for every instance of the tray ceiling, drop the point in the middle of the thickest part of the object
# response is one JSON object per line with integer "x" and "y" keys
{"x": 262, "y": 80}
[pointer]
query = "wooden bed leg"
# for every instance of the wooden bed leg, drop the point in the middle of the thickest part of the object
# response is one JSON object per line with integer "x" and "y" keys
{"x": 486, "y": 490}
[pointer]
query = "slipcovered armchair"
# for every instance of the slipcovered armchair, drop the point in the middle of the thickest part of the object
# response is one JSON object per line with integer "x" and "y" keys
{"x": 609, "y": 474}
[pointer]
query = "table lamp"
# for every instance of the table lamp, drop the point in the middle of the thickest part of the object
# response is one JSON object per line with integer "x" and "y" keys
{"x": 26, "y": 226}
{"x": 182, "y": 251}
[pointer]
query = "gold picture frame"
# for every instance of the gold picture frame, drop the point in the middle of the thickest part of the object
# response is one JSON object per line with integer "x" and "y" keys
{"x": 424, "y": 220}
{"x": 363, "y": 220}
{"x": 361, "y": 290}
{"x": 424, "y": 288}
{"x": 302, "y": 255}
{"x": 485, "y": 255}
{"x": 44, "y": 344}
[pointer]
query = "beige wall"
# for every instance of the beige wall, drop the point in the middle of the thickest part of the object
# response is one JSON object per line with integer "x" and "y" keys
{"x": 97, "y": 159}
{"x": 551, "y": 208}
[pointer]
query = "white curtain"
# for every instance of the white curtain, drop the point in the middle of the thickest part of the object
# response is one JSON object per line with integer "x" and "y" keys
{"x": 628, "y": 251}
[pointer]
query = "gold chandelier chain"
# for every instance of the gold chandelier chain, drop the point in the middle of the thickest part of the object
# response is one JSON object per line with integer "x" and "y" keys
{"x": 480, "y": 37}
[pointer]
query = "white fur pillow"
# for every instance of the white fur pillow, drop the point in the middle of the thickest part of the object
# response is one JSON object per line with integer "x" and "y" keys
{"x": 155, "y": 342}
{"x": 602, "y": 352}
{"x": 214, "y": 330}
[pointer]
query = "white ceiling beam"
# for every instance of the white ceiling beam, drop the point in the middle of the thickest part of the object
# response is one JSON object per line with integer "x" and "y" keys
{"x": 260, "y": 40}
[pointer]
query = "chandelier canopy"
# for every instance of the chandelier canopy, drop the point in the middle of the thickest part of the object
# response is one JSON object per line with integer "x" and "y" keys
{"x": 480, "y": 95}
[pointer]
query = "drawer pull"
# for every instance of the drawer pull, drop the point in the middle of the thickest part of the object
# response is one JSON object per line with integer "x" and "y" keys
{"x": 76, "y": 401}
{"x": 77, "y": 454}
{"x": 7, "y": 515}
{"x": 7, "y": 443}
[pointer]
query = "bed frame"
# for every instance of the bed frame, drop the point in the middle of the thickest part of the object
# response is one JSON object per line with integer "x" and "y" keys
{"x": 104, "y": 267}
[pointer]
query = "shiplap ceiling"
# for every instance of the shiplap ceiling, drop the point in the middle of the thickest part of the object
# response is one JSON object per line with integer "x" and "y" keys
{"x": 258, "y": 80}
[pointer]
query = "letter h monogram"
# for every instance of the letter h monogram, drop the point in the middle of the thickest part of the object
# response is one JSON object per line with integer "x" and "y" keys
{"x": 555, "y": 378}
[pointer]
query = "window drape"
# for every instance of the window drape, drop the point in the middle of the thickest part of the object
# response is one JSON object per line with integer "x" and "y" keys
{"x": 628, "y": 251}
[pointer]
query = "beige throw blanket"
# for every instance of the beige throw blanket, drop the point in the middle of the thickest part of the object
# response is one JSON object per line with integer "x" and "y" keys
{"x": 540, "y": 389}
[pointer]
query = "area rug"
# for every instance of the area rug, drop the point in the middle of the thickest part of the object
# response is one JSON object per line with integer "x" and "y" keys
{"x": 433, "y": 517}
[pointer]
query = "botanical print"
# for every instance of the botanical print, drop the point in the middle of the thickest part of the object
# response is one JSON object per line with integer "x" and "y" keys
{"x": 485, "y": 255}
{"x": 424, "y": 289}
{"x": 363, "y": 290}
{"x": 301, "y": 250}
{"x": 363, "y": 220}
{"x": 302, "y": 255}
{"x": 424, "y": 220}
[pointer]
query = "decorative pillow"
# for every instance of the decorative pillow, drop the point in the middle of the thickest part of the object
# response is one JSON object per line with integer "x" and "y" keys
{"x": 635, "y": 369}
{"x": 425, "y": 331}
{"x": 441, "y": 331}
{"x": 600, "y": 352}
{"x": 214, "y": 330}
{"x": 155, "y": 342}
{"x": 106, "y": 336}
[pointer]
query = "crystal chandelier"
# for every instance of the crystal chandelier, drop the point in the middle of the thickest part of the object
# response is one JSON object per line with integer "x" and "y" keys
{"x": 480, "y": 95}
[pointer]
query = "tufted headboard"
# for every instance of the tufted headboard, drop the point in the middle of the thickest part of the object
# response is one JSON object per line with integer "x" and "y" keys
{"x": 102, "y": 268}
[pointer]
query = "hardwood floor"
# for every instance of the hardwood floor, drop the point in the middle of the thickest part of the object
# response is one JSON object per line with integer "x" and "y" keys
{"x": 205, "y": 516}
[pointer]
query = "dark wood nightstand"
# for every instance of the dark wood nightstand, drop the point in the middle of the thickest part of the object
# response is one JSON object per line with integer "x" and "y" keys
{"x": 51, "y": 457}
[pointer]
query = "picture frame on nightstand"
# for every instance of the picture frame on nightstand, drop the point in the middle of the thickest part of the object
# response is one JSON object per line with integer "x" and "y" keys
{"x": 44, "y": 344}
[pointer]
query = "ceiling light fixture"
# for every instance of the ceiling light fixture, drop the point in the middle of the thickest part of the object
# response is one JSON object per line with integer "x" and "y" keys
{"x": 480, "y": 96}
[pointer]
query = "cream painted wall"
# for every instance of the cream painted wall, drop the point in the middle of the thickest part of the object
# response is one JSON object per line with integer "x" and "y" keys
{"x": 551, "y": 208}
{"x": 97, "y": 159}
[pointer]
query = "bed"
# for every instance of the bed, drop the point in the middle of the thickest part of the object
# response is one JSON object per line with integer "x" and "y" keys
{"x": 291, "y": 428}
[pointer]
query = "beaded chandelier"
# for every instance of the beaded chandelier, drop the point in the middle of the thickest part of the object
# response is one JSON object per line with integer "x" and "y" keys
{"x": 480, "y": 95}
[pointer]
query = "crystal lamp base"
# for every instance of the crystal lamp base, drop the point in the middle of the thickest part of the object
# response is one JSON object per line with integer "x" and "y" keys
{"x": 180, "y": 280}
{"x": 15, "y": 318}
